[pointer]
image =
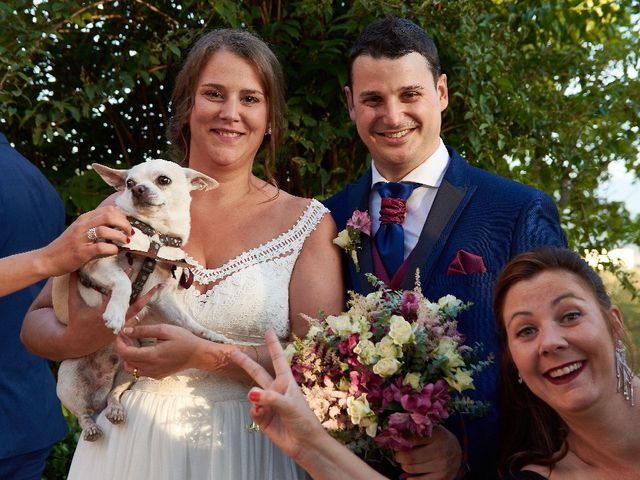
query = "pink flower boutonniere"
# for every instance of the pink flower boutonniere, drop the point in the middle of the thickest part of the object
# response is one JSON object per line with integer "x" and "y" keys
{"x": 349, "y": 238}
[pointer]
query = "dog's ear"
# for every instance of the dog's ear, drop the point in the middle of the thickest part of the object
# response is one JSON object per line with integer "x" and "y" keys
{"x": 112, "y": 176}
{"x": 199, "y": 181}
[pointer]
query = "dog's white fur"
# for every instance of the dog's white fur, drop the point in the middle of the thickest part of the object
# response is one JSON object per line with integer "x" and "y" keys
{"x": 156, "y": 192}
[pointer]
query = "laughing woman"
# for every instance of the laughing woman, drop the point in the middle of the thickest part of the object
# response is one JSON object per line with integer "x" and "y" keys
{"x": 262, "y": 257}
{"x": 563, "y": 363}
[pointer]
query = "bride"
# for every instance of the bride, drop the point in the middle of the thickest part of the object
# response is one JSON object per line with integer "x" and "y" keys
{"x": 262, "y": 257}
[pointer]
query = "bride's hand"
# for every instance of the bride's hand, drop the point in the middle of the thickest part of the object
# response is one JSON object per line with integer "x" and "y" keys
{"x": 279, "y": 407}
{"x": 176, "y": 349}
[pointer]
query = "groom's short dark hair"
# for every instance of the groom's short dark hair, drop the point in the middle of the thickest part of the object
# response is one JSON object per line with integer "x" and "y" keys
{"x": 393, "y": 37}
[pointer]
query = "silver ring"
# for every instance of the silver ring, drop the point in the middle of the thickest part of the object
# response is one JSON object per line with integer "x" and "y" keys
{"x": 135, "y": 373}
{"x": 92, "y": 235}
{"x": 137, "y": 319}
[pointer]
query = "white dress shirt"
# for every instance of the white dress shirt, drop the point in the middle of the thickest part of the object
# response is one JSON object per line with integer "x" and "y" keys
{"x": 429, "y": 175}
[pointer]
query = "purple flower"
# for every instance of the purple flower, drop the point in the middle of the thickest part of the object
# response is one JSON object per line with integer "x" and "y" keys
{"x": 360, "y": 221}
{"x": 393, "y": 439}
{"x": 346, "y": 347}
{"x": 409, "y": 304}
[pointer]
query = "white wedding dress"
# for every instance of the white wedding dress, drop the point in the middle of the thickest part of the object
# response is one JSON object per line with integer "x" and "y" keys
{"x": 193, "y": 425}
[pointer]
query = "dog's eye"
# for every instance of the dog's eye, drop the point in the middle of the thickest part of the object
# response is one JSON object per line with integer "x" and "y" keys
{"x": 130, "y": 183}
{"x": 162, "y": 180}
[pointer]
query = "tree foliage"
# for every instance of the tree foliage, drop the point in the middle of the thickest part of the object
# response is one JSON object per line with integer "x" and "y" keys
{"x": 545, "y": 92}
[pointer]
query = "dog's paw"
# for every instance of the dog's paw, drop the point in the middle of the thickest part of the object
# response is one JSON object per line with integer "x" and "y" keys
{"x": 113, "y": 321}
{"x": 115, "y": 414}
{"x": 92, "y": 433}
{"x": 214, "y": 337}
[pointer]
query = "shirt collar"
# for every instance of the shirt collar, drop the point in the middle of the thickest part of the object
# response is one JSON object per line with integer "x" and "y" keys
{"x": 429, "y": 173}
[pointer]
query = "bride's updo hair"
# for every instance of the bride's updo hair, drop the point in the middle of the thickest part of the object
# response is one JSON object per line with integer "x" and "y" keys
{"x": 252, "y": 49}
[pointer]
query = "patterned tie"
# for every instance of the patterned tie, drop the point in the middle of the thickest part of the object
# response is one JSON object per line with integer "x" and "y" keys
{"x": 393, "y": 209}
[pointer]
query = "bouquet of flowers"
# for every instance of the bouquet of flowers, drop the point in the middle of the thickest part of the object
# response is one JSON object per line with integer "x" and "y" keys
{"x": 393, "y": 366}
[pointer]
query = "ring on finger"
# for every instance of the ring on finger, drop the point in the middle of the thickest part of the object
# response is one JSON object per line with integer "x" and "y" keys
{"x": 135, "y": 373}
{"x": 92, "y": 235}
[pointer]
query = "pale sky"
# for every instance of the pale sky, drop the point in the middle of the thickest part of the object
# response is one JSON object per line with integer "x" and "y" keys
{"x": 622, "y": 188}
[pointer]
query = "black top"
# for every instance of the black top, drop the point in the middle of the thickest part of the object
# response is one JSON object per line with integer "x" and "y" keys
{"x": 524, "y": 475}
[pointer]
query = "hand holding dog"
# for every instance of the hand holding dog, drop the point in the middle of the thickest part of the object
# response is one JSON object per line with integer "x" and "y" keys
{"x": 86, "y": 328}
{"x": 68, "y": 252}
{"x": 73, "y": 248}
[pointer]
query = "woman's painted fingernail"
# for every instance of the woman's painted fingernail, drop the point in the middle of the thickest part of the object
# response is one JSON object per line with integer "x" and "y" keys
{"x": 133, "y": 231}
{"x": 128, "y": 240}
{"x": 254, "y": 396}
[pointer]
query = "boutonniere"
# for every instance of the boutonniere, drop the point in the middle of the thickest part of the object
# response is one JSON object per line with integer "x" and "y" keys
{"x": 349, "y": 238}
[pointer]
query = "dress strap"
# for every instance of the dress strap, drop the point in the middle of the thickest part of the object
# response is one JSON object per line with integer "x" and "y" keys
{"x": 287, "y": 243}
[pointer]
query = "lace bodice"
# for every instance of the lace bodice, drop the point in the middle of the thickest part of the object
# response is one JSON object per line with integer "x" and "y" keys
{"x": 250, "y": 293}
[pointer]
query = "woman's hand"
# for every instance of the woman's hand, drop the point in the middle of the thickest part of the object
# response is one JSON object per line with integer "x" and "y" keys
{"x": 282, "y": 413}
{"x": 86, "y": 324}
{"x": 74, "y": 248}
{"x": 176, "y": 349}
{"x": 436, "y": 457}
{"x": 279, "y": 407}
{"x": 68, "y": 252}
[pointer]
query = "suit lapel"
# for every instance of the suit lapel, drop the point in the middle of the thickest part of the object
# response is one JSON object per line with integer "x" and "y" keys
{"x": 359, "y": 199}
{"x": 452, "y": 197}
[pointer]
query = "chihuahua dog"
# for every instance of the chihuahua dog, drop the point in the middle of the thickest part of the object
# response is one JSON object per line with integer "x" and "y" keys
{"x": 156, "y": 197}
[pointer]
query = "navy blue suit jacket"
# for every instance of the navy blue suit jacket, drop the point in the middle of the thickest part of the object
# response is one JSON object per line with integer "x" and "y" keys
{"x": 483, "y": 214}
{"x": 31, "y": 215}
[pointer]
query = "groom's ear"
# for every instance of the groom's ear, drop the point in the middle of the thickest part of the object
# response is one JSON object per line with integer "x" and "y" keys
{"x": 349, "y": 96}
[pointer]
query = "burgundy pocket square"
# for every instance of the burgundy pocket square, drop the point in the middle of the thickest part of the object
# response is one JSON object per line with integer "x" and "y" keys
{"x": 466, "y": 263}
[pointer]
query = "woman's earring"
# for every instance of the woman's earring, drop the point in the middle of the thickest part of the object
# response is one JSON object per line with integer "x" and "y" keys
{"x": 623, "y": 373}
{"x": 519, "y": 378}
{"x": 268, "y": 132}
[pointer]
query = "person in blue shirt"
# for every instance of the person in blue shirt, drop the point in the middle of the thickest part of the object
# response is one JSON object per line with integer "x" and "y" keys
{"x": 33, "y": 247}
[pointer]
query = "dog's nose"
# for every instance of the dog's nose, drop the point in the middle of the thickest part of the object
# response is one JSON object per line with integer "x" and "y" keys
{"x": 139, "y": 190}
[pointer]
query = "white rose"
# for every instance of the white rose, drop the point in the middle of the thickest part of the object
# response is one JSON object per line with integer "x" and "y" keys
{"x": 400, "y": 331}
{"x": 461, "y": 381}
{"x": 450, "y": 304}
{"x": 363, "y": 326}
{"x": 341, "y": 324}
{"x": 358, "y": 408}
{"x": 366, "y": 351}
{"x": 412, "y": 379}
{"x": 448, "y": 348}
{"x": 386, "y": 348}
{"x": 342, "y": 240}
{"x": 373, "y": 299}
{"x": 371, "y": 426}
{"x": 386, "y": 367}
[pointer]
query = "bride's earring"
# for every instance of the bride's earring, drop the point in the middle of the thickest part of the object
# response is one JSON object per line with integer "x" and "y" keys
{"x": 623, "y": 373}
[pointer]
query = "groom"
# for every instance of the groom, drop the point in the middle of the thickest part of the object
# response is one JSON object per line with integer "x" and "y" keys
{"x": 461, "y": 224}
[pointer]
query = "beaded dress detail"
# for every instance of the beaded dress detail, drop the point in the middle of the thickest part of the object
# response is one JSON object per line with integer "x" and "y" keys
{"x": 192, "y": 425}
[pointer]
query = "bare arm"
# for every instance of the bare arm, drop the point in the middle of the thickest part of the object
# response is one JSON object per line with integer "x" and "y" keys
{"x": 43, "y": 335}
{"x": 316, "y": 282}
{"x": 67, "y": 253}
{"x": 178, "y": 349}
